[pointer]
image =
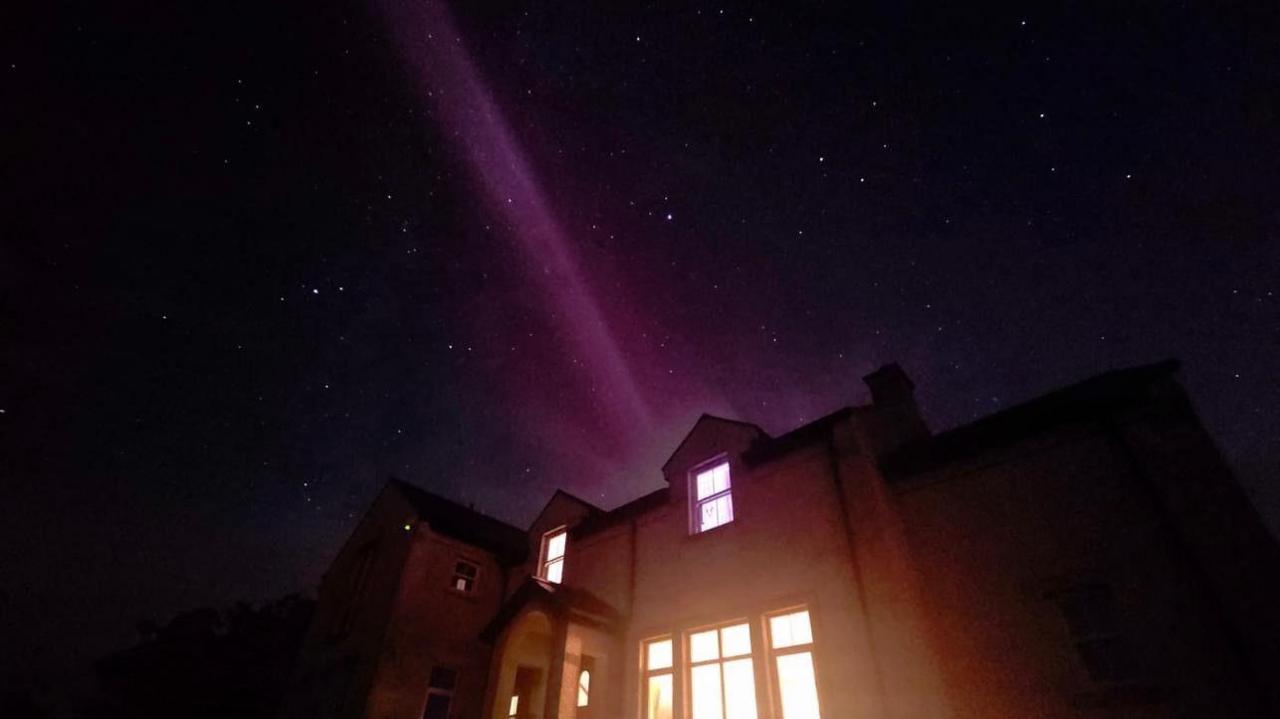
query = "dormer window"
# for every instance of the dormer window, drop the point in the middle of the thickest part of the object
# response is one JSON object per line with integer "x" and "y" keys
{"x": 552, "y": 565}
{"x": 712, "y": 496}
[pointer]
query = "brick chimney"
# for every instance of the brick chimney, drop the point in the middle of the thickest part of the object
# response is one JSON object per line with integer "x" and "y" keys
{"x": 895, "y": 417}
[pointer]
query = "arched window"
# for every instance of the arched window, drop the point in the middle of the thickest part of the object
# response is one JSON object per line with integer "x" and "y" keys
{"x": 584, "y": 688}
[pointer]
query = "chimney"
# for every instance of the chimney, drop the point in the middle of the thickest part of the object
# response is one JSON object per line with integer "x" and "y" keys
{"x": 897, "y": 421}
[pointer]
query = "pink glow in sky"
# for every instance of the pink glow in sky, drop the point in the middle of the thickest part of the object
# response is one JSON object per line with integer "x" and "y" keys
{"x": 467, "y": 113}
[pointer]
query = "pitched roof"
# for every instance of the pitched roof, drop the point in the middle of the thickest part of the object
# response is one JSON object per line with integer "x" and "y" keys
{"x": 1083, "y": 401}
{"x": 600, "y": 522}
{"x": 465, "y": 524}
{"x": 561, "y": 599}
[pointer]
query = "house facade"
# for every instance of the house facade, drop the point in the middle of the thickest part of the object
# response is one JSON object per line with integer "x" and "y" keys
{"x": 1086, "y": 553}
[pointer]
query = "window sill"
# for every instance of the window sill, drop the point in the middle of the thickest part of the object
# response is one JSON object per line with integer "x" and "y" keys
{"x": 713, "y": 531}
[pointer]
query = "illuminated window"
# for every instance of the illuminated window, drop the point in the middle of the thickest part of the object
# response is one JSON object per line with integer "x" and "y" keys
{"x": 721, "y": 673}
{"x": 440, "y": 693}
{"x": 791, "y": 648}
{"x": 552, "y": 566}
{"x": 584, "y": 681}
{"x": 513, "y": 707}
{"x": 464, "y": 576}
{"x": 659, "y": 690}
{"x": 713, "y": 499}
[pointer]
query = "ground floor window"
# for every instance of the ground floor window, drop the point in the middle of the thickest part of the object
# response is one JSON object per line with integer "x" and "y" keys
{"x": 791, "y": 647}
{"x": 719, "y": 671}
{"x": 722, "y": 682}
{"x": 659, "y": 690}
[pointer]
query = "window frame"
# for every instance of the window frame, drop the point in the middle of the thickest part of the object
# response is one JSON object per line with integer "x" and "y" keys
{"x": 473, "y": 580}
{"x": 719, "y": 661}
{"x": 447, "y": 692}
{"x": 696, "y": 503}
{"x": 647, "y": 674}
{"x": 544, "y": 563}
{"x": 772, "y": 655}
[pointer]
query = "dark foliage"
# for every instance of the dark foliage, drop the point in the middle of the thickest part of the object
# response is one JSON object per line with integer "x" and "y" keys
{"x": 206, "y": 664}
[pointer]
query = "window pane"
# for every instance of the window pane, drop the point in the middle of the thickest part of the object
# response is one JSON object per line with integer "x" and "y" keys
{"x": 465, "y": 569}
{"x": 720, "y": 478}
{"x": 584, "y": 688}
{"x": 789, "y": 630}
{"x": 797, "y": 687}
{"x": 739, "y": 689}
{"x": 514, "y": 707}
{"x": 659, "y": 654}
{"x": 555, "y": 545}
{"x": 659, "y": 703}
{"x": 706, "y": 697}
{"x": 703, "y": 646}
{"x": 736, "y": 640}
{"x": 705, "y": 485}
{"x": 715, "y": 512}
{"x": 555, "y": 570}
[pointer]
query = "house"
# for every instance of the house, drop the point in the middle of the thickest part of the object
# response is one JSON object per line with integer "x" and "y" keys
{"x": 1086, "y": 553}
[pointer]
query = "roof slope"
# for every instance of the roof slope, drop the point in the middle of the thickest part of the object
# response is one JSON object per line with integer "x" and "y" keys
{"x": 1083, "y": 401}
{"x": 465, "y": 524}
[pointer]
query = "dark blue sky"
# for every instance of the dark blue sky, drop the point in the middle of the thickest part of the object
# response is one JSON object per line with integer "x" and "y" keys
{"x": 254, "y": 262}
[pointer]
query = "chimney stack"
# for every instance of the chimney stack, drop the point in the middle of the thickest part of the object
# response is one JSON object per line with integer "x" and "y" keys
{"x": 897, "y": 417}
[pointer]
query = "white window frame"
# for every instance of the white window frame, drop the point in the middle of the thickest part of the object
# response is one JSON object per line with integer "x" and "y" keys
{"x": 446, "y": 692}
{"x": 649, "y": 673}
{"x": 544, "y": 563}
{"x": 774, "y": 653}
{"x": 696, "y": 503}
{"x": 472, "y": 581}
{"x": 719, "y": 661}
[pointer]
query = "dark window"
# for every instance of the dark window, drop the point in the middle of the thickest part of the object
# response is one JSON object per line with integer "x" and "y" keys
{"x": 440, "y": 693}
{"x": 464, "y": 576}
{"x": 1090, "y": 613}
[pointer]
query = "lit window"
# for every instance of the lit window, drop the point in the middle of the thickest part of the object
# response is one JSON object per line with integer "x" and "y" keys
{"x": 584, "y": 680}
{"x": 721, "y": 674}
{"x": 659, "y": 694}
{"x": 440, "y": 693}
{"x": 584, "y": 688}
{"x": 513, "y": 707}
{"x": 791, "y": 645}
{"x": 713, "y": 500}
{"x": 464, "y": 576}
{"x": 552, "y": 568}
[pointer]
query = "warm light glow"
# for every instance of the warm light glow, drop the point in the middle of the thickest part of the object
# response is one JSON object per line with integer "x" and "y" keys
{"x": 797, "y": 686}
{"x": 739, "y": 689}
{"x": 713, "y": 498}
{"x": 707, "y": 696}
{"x": 789, "y": 630}
{"x": 719, "y": 688}
{"x": 553, "y": 544}
{"x": 660, "y": 695}
{"x": 514, "y": 706}
{"x": 659, "y": 654}
{"x": 584, "y": 688}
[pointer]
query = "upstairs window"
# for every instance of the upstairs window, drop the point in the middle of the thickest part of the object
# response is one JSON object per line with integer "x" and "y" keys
{"x": 464, "y": 576}
{"x": 552, "y": 565}
{"x": 712, "y": 497}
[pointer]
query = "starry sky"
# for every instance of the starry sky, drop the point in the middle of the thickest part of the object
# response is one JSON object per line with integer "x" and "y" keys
{"x": 257, "y": 257}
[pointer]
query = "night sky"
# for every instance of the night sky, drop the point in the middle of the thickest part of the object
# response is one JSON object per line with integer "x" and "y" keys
{"x": 259, "y": 256}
